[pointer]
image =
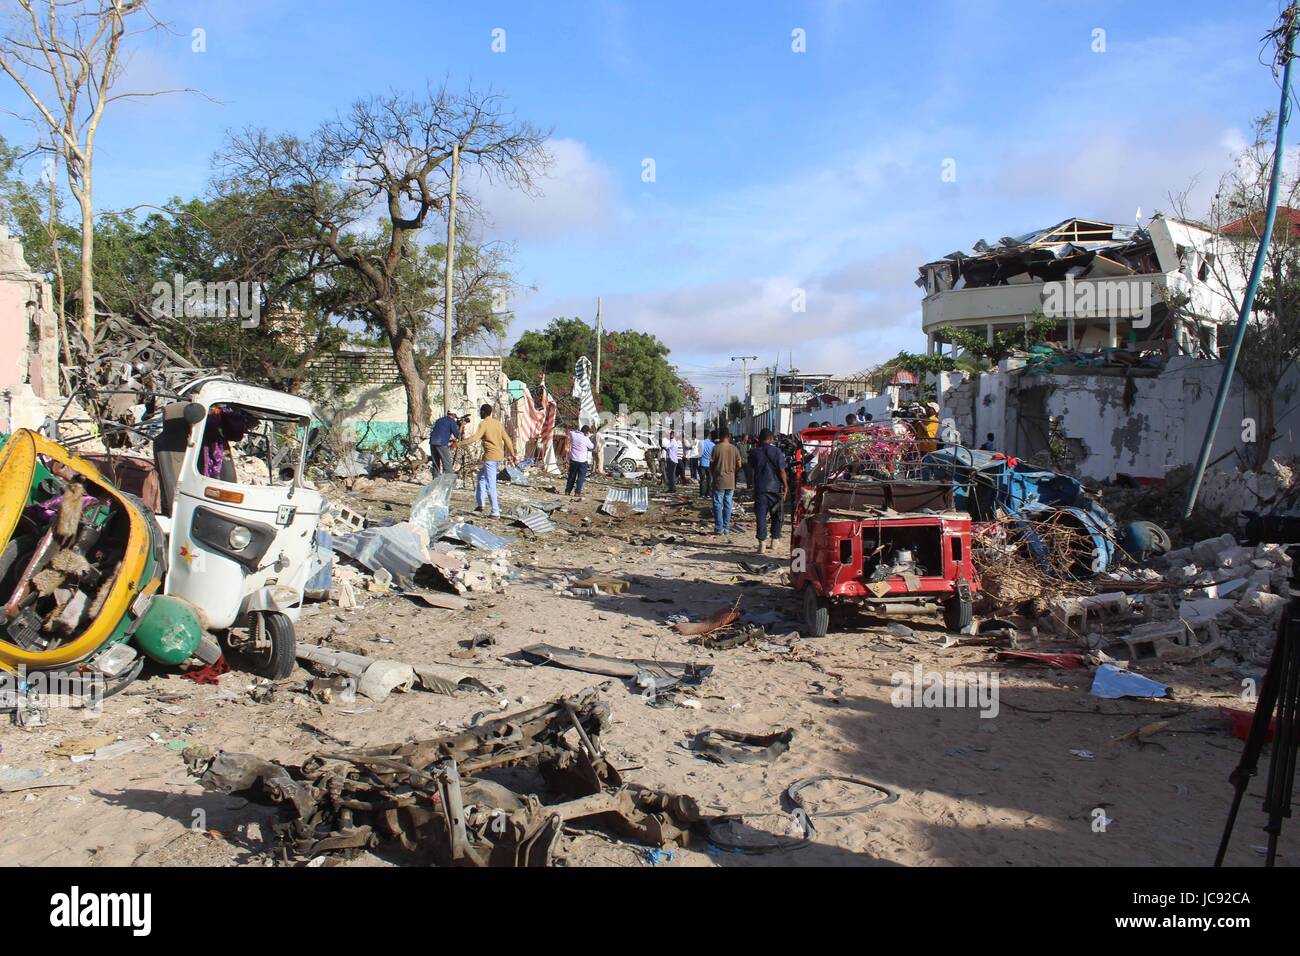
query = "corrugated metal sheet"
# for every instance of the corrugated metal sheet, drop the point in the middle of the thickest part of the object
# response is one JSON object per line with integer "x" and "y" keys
{"x": 638, "y": 498}
{"x": 535, "y": 519}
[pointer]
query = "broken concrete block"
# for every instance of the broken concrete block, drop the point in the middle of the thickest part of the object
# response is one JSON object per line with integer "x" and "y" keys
{"x": 1262, "y": 602}
{"x": 1174, "y": 640}
{"x": 1208, "y": 551}
{"x": 1220, "y": 590}
{"x": 1203, "y": 608}
{"x": 1234, "y": 557}
{"x": 1068, "y": 616}
{"x": 1271, "y": 551}
{"x": 69, "y": 617}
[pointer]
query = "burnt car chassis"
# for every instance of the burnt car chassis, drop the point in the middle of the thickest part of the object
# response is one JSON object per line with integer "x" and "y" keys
{"x": 425, "y": 797}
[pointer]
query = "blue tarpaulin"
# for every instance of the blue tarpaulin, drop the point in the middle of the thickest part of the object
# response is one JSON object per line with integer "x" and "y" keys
{"x": 1110, "y": 682}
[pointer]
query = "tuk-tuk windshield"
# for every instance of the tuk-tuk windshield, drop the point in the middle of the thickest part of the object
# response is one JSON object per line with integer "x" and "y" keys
{"x": 252, "y": 446}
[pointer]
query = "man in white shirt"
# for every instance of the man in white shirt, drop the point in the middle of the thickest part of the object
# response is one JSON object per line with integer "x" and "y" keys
{"x": 672, "y": 455}
{"x": 580, "y": 445}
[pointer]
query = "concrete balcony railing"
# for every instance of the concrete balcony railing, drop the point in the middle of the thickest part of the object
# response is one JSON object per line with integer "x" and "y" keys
{"x": 1088, "y": 301}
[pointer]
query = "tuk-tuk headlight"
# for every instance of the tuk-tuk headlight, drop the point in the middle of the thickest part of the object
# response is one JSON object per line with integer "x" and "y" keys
{"x": 239, "y": 538}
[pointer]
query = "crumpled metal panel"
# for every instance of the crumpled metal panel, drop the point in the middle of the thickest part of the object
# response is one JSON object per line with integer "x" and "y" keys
{"x": 638, "y": 498}
{"x": 534, "y": 519}
{"x": 476, "y": 536}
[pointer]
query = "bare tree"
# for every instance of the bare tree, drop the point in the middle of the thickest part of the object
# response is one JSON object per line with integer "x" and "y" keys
{"x": 366, "y": 185}
{"x": 1271, "y": 346}
{"x": 66, "y": 57}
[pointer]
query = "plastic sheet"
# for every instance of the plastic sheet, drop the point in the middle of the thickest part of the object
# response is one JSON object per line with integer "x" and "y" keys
{"x": 1110, "y": 682}
{"x": 431, "y": 509}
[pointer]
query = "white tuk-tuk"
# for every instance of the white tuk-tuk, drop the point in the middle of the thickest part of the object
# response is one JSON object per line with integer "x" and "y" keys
{"x": 241, "y": 525}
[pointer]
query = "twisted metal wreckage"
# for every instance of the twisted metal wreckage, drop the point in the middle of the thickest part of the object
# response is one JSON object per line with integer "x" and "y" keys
{"x": 1048, "y": 514}
{"x": 433, "y": 798}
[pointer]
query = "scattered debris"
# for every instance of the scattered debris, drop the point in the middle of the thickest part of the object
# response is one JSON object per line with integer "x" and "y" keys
{"x": 706, "y": 743}
{"x": 723, "y": 617}
{"x": 655, "y": 674}
{"x": 425, "y": 797}
{"x": 1110, "y": 682}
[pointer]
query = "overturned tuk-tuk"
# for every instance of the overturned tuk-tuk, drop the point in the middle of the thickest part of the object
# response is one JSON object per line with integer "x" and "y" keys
{"x": 108, "y": 554}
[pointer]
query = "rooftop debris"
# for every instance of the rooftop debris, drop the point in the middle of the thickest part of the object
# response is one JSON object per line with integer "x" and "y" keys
{"x": 1075, "y": 248}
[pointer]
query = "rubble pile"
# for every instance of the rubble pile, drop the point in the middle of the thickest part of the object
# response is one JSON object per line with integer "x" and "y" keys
{"x": 1228, "y": 492}
{"x": 407, "y": 554}
{"x": 1214, "y": 600}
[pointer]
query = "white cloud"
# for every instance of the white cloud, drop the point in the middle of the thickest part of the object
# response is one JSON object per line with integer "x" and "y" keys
{"x": 577, "y": 194}
{"x": 853, "y": 318}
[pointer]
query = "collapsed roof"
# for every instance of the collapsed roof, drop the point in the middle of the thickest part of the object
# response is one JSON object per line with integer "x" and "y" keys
{"x": 1075, "y": 247}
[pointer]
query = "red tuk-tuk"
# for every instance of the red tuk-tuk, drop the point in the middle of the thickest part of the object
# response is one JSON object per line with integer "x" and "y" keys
{"x": 875, "y": 527}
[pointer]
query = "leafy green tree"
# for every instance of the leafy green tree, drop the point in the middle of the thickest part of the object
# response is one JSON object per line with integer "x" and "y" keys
{"x": 201, "y": 241}
{"x": 975, "y": 344}
{"x": 634, "y": 367}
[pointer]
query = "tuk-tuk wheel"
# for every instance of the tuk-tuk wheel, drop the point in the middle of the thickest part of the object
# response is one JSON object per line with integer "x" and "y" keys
{"x": 958, "y": 613}
{"x": 274, "y": 661}
{"x": 816, "y": 612}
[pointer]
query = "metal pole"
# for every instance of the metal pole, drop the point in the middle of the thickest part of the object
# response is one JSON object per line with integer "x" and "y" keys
{"x": 1248, "y": 302}
{"x": 597, "y": 394}
{"x": 449, "y": 306}
{"x": 744, "y": 361}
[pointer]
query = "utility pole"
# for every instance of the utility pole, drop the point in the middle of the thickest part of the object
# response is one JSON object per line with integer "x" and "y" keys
{"x": 597, "y": 392}
{"x": 775, "y": 402}
{"x": 449, "y": 306}
{"x": 744, "y": 361}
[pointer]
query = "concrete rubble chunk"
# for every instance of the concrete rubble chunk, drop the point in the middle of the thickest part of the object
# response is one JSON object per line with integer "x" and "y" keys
{"x": 1208, "y": 551}
{"x": 1204, "y": 608}
{"x": 1262, "y": 602}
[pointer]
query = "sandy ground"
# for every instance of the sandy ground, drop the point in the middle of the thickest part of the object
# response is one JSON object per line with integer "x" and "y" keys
{"x": 970, "y": 790}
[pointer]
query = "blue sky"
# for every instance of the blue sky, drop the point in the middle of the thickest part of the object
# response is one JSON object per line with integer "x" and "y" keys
{"x": 775, "y": 171}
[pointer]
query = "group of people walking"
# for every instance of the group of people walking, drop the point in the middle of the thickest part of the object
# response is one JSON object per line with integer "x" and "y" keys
{"x": 714, "y": 461}
{"x": 717, "y": 462}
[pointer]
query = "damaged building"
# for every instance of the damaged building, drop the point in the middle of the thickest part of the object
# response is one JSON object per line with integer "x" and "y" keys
{"x": 1108, "y": 286}
{"x": 29, "y": 340}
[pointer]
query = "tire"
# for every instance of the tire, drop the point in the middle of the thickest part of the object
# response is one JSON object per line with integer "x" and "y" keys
{"x": 627, "y": 464}
{"x": 816, "y": 612}
{"x": 276, "y": 662}
{"x": 958, "y": 613}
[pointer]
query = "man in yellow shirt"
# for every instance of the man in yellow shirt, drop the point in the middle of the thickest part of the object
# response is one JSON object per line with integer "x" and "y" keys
{"x": 497, "y": 449}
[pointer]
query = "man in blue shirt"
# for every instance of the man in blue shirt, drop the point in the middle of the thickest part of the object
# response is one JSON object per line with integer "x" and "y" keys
{"x": 768, "y": 466}
{"x": 444, "y": 431}
{"x": 706, "y": 459}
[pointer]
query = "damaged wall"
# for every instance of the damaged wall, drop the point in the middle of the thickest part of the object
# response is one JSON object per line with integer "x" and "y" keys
{"x": 1110, "y": 425}
{"x": 373, "y": 398}
{"x": 29, "y": 340}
